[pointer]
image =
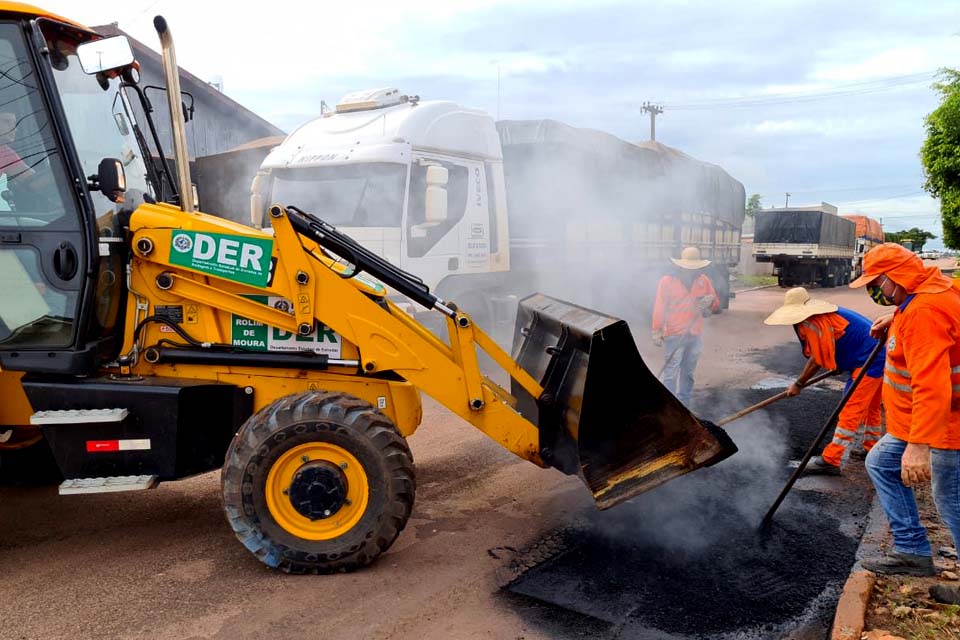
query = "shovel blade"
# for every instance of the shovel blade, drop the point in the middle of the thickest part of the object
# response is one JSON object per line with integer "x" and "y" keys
{"x": 603, "y": 415}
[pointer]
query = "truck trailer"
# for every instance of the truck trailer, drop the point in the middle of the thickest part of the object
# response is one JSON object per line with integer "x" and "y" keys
{"x": 488, "y": 211}
{"x": 807, "y": 245}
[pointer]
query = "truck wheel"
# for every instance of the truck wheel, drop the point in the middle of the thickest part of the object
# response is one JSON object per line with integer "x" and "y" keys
{"x": 318, "y": 482}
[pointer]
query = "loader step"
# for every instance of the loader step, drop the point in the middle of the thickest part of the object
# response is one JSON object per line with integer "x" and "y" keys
{"x": 79, "y": 416}
{"x": 110, "y": 484}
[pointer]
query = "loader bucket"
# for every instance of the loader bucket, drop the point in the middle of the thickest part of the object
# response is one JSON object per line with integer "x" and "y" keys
{"x": 602, "y": 414}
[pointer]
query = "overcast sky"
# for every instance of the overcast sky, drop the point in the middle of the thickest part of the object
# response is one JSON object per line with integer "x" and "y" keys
{"x": 824, "y": 100}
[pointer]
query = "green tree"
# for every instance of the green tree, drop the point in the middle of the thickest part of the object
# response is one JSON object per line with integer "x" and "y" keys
{"x": 914, "y": 238}
{"x": 754, "y": 205}
{"x": 941, "y": 155}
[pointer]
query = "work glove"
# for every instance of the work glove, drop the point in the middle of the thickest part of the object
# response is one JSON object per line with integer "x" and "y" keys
{"x": 705, "y": 302}
{"x": 657, "y": 338}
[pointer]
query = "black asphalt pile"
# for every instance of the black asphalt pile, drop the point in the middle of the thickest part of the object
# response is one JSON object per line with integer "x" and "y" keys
{"x": 686, "y": 560}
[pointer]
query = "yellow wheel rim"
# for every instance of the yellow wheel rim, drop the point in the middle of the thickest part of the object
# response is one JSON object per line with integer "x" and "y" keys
{"x": 280, "y": 479}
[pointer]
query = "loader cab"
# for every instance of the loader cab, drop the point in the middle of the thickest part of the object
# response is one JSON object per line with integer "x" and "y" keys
{"x": 71, "y": 172}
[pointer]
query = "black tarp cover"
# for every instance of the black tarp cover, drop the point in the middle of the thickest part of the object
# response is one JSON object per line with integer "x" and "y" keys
{"x": 803, "y": 227}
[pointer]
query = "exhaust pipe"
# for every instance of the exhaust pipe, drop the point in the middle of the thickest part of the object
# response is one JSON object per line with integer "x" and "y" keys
{"x": 171, "y": 73}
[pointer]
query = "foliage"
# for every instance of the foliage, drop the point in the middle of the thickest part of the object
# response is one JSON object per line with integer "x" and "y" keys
{"x": 754, "y": 205}
{"x": 940, "y": 155}
{"x": 918, "y": 237}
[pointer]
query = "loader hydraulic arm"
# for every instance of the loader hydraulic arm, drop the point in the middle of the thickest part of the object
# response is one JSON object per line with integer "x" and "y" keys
{"x": 581, "y": 398}
{"x": 323, "y": 290}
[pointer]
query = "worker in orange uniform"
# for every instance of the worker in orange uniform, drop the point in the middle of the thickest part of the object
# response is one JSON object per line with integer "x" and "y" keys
{"x": 921, "y": 397}
{"x": 684, "y": 297}
{"x": 835, "y": 338}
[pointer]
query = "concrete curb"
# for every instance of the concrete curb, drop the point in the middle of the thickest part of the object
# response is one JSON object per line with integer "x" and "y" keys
{"x": 848, "y": 621}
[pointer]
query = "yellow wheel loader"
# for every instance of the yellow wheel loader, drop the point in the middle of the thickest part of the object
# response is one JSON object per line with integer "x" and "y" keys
{"x": 142, "y": 341}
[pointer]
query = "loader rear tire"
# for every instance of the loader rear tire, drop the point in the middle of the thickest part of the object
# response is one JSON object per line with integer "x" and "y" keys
{"x": 318, "y": 482}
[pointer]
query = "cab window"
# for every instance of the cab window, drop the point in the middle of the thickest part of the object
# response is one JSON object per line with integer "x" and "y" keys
{"x": 424, "y": 233}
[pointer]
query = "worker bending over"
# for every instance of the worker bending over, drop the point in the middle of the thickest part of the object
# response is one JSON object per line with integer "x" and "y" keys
{"x": 684, "y": 298}
{"x": 836, "y": 339}
{"x": 921, "y": 397}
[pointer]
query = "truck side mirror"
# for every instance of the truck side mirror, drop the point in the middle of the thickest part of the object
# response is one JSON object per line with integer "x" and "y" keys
{"x": 104, "y": 54}
{"x": 110, "y": 179}
{"x": 436, "y": 196}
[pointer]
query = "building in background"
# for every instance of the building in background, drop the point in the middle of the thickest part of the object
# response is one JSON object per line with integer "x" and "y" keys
{"x": 219, "y": 123}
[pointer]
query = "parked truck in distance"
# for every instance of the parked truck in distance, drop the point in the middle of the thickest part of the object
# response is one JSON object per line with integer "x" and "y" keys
{"x": 869, "y": 233}
{"x": 487, "y": 211}
{"x": 807, "y": 245}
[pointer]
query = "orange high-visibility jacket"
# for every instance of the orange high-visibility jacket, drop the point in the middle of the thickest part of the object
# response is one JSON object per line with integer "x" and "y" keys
{"x": 819, "y": 334}
{"x": 675, "y": 311}
{"x": 921, "y": 391}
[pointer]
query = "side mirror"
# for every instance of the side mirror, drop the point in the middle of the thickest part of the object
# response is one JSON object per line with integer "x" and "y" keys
{"x": 436, "y": 196}
{"x": 105, "y": 54}
{"x": 110, "y": 180}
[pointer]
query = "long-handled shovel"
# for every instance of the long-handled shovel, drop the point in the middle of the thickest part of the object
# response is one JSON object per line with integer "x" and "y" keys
{"x": 780, "y": 396}
{"x": 767, "y": 519}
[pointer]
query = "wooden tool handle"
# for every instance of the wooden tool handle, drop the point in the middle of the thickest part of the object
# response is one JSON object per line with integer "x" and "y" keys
{"x": 772, "y": 399}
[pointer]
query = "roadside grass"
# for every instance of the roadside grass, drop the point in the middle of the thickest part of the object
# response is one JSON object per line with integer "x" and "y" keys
{"x": 749, "y": 282}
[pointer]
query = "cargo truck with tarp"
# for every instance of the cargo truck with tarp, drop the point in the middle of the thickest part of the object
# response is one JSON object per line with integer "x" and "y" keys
{"x": 807, "y": 245}
{"x": 487, "y": 211}
{"x": 869, "y": 234}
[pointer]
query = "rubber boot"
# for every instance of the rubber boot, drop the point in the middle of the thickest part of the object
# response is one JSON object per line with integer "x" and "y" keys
{"x": 819, "y": 467}
{"x": 896, "y": 563}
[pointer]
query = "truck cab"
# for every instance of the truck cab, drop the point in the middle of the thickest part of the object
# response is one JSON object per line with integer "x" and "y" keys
{"x": 418, "y": 183}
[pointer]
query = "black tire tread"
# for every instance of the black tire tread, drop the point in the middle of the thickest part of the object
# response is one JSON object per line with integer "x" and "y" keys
{"x": 363, "y": 421}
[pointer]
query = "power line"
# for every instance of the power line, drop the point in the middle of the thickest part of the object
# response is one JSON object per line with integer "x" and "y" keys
{"x": 844, "y": 90}
{"x": 896, "y": 197}
{"x": 873, "y": 187}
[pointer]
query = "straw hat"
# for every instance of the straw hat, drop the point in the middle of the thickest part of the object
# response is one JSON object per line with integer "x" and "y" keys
{"x": 690, "y": 259}
{"x": 797, "y": 307}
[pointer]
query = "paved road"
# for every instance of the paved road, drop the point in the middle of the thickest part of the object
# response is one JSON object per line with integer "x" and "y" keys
{"x": 163, "y": 564}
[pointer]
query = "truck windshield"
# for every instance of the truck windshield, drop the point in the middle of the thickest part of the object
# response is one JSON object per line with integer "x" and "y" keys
{"x": 99, "y": 119}
{"x": 361, "y": 195}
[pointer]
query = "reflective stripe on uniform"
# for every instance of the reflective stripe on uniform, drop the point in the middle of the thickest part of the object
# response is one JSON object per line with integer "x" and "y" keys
{"x": 812, "y": 327}
{"x": 896, "y": 385}
{"x": 899, "y": 372}
{"x": 955, "y": 369}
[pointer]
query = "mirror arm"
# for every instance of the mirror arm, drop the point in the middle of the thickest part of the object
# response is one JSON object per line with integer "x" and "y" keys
{"x": 148, "y": 114}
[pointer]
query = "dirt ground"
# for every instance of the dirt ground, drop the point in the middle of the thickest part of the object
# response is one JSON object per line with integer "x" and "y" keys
{"x": 163, "y": 564}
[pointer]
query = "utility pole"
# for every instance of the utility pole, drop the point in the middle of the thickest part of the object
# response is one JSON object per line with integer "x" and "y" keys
{"x": 654, "y": 110}
{"x": 786, "y": 203}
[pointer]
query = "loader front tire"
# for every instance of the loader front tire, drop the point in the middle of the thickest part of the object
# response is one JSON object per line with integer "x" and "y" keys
{"x": 318, "y": 482}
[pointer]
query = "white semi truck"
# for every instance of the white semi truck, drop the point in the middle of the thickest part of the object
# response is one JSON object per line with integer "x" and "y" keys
{"x": 486, "y": 211}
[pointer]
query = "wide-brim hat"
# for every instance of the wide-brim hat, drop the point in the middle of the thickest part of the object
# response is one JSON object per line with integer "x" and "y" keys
{"x": 690, "y": 259}
{"x": 797, "y": 307}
